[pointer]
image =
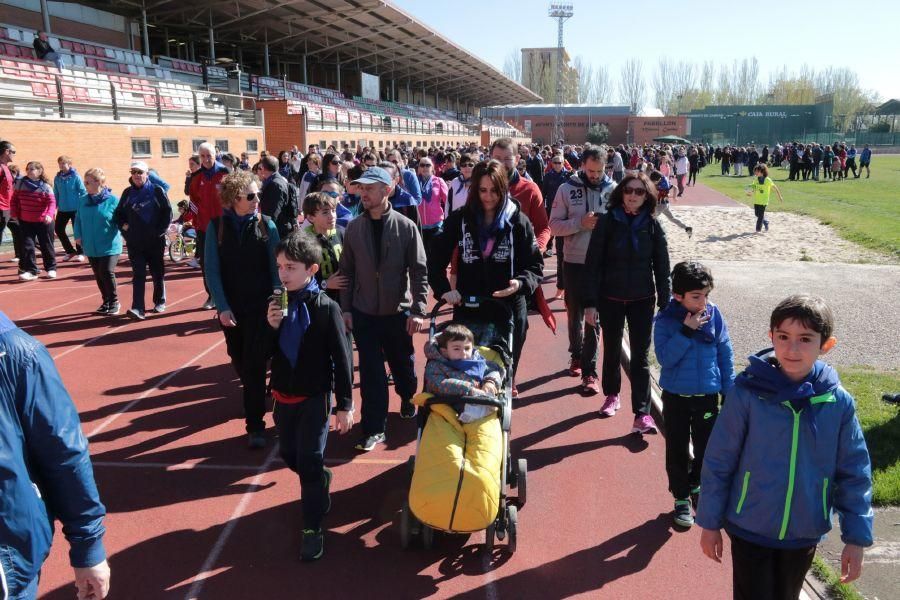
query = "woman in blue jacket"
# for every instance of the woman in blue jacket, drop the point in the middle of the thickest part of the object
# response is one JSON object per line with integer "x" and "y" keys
{"x": 97, "y": 234}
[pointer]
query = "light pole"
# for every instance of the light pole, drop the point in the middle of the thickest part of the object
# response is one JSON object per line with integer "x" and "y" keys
{"x": 562, "y": 13}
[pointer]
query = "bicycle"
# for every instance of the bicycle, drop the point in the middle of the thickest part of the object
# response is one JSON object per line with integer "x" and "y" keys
{"x": 180, "y": 244}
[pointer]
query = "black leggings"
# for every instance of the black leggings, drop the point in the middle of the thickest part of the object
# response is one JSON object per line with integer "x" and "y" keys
{"x": 760, "y": 211}
{"x": 639, "y": 314}
{"x": 36, "y": 234}
{"x": 104, "y": 268}
{"x": 62, "y": 219}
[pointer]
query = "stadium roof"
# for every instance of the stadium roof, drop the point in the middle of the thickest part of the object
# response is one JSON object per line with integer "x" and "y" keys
{"x": 376, "y": 35}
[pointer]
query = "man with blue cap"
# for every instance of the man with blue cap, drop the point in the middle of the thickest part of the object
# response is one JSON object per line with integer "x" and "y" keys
{"x": 384, "y": 302}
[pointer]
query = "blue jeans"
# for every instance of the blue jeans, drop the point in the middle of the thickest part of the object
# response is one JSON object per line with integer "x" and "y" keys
{"x": 302, "y": 433}
{"x": 380, "y": 338}
{"x": 55, "y": 58}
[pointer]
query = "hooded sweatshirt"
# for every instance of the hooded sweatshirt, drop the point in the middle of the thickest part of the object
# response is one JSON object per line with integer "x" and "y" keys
{"x": 68, "y": 189}
{"x": 574, "y": 199}
{"x": 782, "y": 456}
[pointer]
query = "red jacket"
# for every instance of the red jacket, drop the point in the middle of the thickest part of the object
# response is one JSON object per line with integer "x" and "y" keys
{"x": 6, "y": 187}
{"x": 33, "y": 205}
{"x": 204, "y": 193}
{"x": 528, "y": 195}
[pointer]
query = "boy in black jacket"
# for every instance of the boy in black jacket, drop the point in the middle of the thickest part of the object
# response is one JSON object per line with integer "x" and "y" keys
{"x": 312, "y": 354}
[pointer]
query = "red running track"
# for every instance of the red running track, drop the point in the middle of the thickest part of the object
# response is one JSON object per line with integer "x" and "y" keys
{"x": 194, "y": 514}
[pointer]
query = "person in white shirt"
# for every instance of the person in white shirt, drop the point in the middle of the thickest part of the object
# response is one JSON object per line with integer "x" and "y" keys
{"x": 681, "y": 171}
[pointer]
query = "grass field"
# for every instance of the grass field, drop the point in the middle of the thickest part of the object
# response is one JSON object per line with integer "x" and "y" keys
{"x": 865, "y": 211}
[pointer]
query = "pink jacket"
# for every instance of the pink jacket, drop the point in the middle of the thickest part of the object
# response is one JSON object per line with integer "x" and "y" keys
{"x": 33, "y": 205}
{"x": 432, "y": 213}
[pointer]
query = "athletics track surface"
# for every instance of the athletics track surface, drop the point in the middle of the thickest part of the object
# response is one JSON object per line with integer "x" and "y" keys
{"x": 194, "y": 514}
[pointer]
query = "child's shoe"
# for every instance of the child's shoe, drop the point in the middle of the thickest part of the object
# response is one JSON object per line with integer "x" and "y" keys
{"x": 313, "y": 545}
{"x": 644, "y": 424}
{"x": 683, "y": 516}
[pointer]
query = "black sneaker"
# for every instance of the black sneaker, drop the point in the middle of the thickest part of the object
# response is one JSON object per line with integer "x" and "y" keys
{"x": 113, "y": 309}
{"x": 368, "y": 443}
{"x": 135, "y": 314}
{"x": 103, "y": 310}
{"x": 683, "y": 516}
{"x": 407, "y": 409}
{"x": 326, "y": 489}
{"x": 313, "y": 545}
{"x": 256, "y": 440}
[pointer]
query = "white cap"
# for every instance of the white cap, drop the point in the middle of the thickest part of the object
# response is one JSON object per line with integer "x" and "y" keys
{"x": 139, "y": 164}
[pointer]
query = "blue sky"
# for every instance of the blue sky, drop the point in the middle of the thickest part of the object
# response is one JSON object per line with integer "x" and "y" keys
{"x": 816, "y": 32}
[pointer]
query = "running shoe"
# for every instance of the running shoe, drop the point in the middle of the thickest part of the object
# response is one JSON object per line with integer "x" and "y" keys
{"x": 575, "y": 368}
{"x": 114, "y": 309}
{"x": 683, "y": 516}
{"x": 368, "y": 443}
{"x": 689, "y": 231}
{"x": 68, "y": 257}
{"x": 80, "y": 258}
{"x": 610, "y": 406}
{"x": 644, "y": 424}
{"x": 209, "y": 304}
{"x": 103, "y": 310}
{"x": 135, "y": 314}
{"x": 589, "y": 385}
{"x": 160, "y": 308}
{"x": 766, "y": 225}
{"x": 51, "y": 274}
{"x": 14, "y": 259}
{"x": 313, "y": 545}
{"x": 26, "y": 276}
{"x": 407, "y": 409}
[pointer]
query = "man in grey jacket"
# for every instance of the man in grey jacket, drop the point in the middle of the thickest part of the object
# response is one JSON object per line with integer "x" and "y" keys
{"x": 384, "y": 302}
{"x": 578, "y": 204}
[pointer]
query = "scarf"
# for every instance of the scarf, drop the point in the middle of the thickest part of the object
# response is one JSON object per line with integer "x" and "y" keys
{"x": 513, "y": 178}
{"x": 705, "y": 333}
{"x": 472, "y": 367}
{"x": 236, "y": 221}
{"x": 487, "y": 232}
{"x": 635, "y": 223}
{"x": 427, "y": 187}
{"x": 96, "y": 199}
{"x": 67, "y": 174}
{"x": 295, "y": 324}
{"x": 142, "y": 200}
{"x": 31, "y": 185}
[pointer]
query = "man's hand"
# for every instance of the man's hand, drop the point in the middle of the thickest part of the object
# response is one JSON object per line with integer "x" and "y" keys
{"x": 274, "y": 314}
{"x": 413, "y": 325}
{"x": 338, "y": 281}
{"x": 589, "y": 221}
{"x": 590, "y": 316}
{"x": 348, "y": 322}
{"x": 711, "y": 544}
{"x": 226, "y": 318}
{"x": 343, "y": 421}
{"x": 851, "y": 563}
{"x": 514, "y": 286}
{"x": 92, "y": 583}
{"x": 697, "y": 320}
{"x": 452, "y": 297}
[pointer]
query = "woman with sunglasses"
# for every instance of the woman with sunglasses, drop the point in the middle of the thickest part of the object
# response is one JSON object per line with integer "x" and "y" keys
{"x": 143, "y": 216}
{"x": 331, "y": 170}
{"x": 459, "y": 187}
{"x": 241, "y": 275}
{"x": 314, "y": 166}
{"x": 96, "y": 232}
{"x": 626, "y": 274}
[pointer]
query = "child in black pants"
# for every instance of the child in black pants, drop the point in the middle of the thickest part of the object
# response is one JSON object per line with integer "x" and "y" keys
{"x": 694, "y": 351}
{"x": 311, "y": 356}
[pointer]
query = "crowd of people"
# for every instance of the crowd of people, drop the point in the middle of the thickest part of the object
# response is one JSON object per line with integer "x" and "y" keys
{"x": 805, "y": 162}
{"x": 305, "y": 254}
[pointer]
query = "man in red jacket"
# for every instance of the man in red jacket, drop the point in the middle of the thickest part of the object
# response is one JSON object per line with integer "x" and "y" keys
{"x": 204, "y": 193}
{"x": 7, "y": 152}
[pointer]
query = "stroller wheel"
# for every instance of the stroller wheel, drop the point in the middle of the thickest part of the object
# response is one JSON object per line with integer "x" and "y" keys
{"x": 411, "y": 465}
{"x": 512, "y": 527}
{"x": 405, "y": 526}
{"x": 522, "y": 481}
{"x": 489, "y": 538}
{"x": 427, "y": 537}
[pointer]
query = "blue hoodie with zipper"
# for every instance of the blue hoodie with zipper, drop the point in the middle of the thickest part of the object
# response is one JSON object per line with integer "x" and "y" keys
{"x": 784, "y": 455}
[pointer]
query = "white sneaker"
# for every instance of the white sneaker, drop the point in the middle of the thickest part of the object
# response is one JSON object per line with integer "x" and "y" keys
{"x": 51, "y": 274}
{"x": 80, "y": 258}
{"x": 14, "y": 260}
{"x": 26, "y": 276}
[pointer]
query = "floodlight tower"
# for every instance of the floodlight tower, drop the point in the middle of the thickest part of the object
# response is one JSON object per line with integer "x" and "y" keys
{"x": 562, "y": 13}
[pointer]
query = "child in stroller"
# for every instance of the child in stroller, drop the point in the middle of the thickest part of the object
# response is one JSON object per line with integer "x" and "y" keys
{"x": 456, "y": 368}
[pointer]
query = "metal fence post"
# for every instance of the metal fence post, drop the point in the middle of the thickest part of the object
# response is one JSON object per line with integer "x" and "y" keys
{"x": 59, "y": 97}
{"x": 227, "y": 114}
{"x": 115, "y": 103}
{"x": 196, "y": 110}
{"x": 158, "y": 106}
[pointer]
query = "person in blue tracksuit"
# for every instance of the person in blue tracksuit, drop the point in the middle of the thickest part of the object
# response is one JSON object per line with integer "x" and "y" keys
{"x": 696, "y": 361}
{"x": 786, "y": 451}
{"x": 68, "y": 189}
{"x": 45, "y": 474}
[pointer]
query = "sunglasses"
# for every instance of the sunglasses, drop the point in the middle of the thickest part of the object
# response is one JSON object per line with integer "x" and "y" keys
{"x": 421, "y": 164}
{"x": 336, "y": 162}
{"x": 466, "y": 164}
{"x": 635, "y": 191}
{"x": 556, "y": 162}
{"x": 252, "y": 197}
{"x": 137, "y": 172}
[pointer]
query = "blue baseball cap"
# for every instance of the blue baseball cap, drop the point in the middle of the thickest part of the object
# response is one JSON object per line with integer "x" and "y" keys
{"x": 375, "y": 175}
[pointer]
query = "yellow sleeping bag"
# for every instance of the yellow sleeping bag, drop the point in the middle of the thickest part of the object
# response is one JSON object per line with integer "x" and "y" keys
{"x": 456, "y": 483}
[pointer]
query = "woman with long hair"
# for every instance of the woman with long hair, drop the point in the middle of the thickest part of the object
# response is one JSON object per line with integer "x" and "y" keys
{"x": 33, "y": 207}
{"x": 626, "y": 276}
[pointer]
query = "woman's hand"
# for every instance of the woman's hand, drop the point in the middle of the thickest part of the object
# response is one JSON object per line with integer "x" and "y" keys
{"x": 337, "y": 281}
{"x": 274, "y": 314}
{"x": 226, "y": 318}
{"x": 514, "y": 286}
{"x": 343, "y": 421}
{"x": 452, "y": 297}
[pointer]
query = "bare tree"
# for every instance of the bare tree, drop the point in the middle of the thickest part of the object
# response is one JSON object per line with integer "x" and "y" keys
{"x": 663, "y": 82}
{"x": 585, "y": 74}
{"x": 633, "y": 87}
{"x": 603, "y": 88}
{"x": 746, "y": 80}
{"x": 512, "y": 65}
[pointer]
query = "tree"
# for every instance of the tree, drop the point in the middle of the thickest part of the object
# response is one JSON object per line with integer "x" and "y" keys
{"x": 597, "y": 134}
{"x": 512, "y": 65}
{"x": 602, "y": 89}
{"x": 633, "y": 88}
{"x": 585, "y": 74}
{"x": 663, "y": 85}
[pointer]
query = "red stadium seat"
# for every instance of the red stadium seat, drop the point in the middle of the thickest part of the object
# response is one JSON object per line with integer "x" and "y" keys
{"x": 66, "y": 44}
{"x": 81, "y": 95}
{"x": 123, "y": 68}
{"x": 90, "y": 50}
{"x": 78, "y": 47}
{"x": 11, "y": 49}
{"x": 68, "y": 92}
{"x": 92, "y": 63}
{"x": 41, "y": 90}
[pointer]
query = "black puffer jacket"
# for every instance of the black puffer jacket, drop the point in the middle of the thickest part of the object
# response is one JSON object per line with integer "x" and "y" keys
{"x": 615, "y": 269}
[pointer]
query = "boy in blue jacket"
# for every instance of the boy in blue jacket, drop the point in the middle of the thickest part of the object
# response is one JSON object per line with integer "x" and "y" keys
{"x": 694, "y": 351}
{"x": 787, "y": 449}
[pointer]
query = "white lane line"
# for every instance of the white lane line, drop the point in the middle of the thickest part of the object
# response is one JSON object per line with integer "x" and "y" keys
{"x": 213, "y": 557}
{"x": 114, "y": 329}
{"x": 190, "y": 466}
{"x": 29, "y": 284}
{"x": 110, "y": 419}
{"x": 53, "y": 308}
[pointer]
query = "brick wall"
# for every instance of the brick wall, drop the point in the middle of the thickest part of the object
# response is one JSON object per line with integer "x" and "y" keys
{"x": 108, "y": 146}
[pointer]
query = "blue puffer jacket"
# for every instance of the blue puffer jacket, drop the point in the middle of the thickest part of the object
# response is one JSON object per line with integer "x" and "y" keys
{"x": 782, "y": 455}
{"x": 95, "y": 224}
{"x": 68, "y": 190}
{"x": 693, "y": 362}
{"x": 45, "y": 469}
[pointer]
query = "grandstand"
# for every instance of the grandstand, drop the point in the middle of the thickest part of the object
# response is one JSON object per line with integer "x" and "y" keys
{"x": 159, "y": 81}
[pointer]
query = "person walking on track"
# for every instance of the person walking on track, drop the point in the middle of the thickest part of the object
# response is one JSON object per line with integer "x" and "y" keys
{"x": 33, "y": 208}
{"x": 204, "y": 193}
{"x": 96, "y": 232}
{"x": 68, "y": 188}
